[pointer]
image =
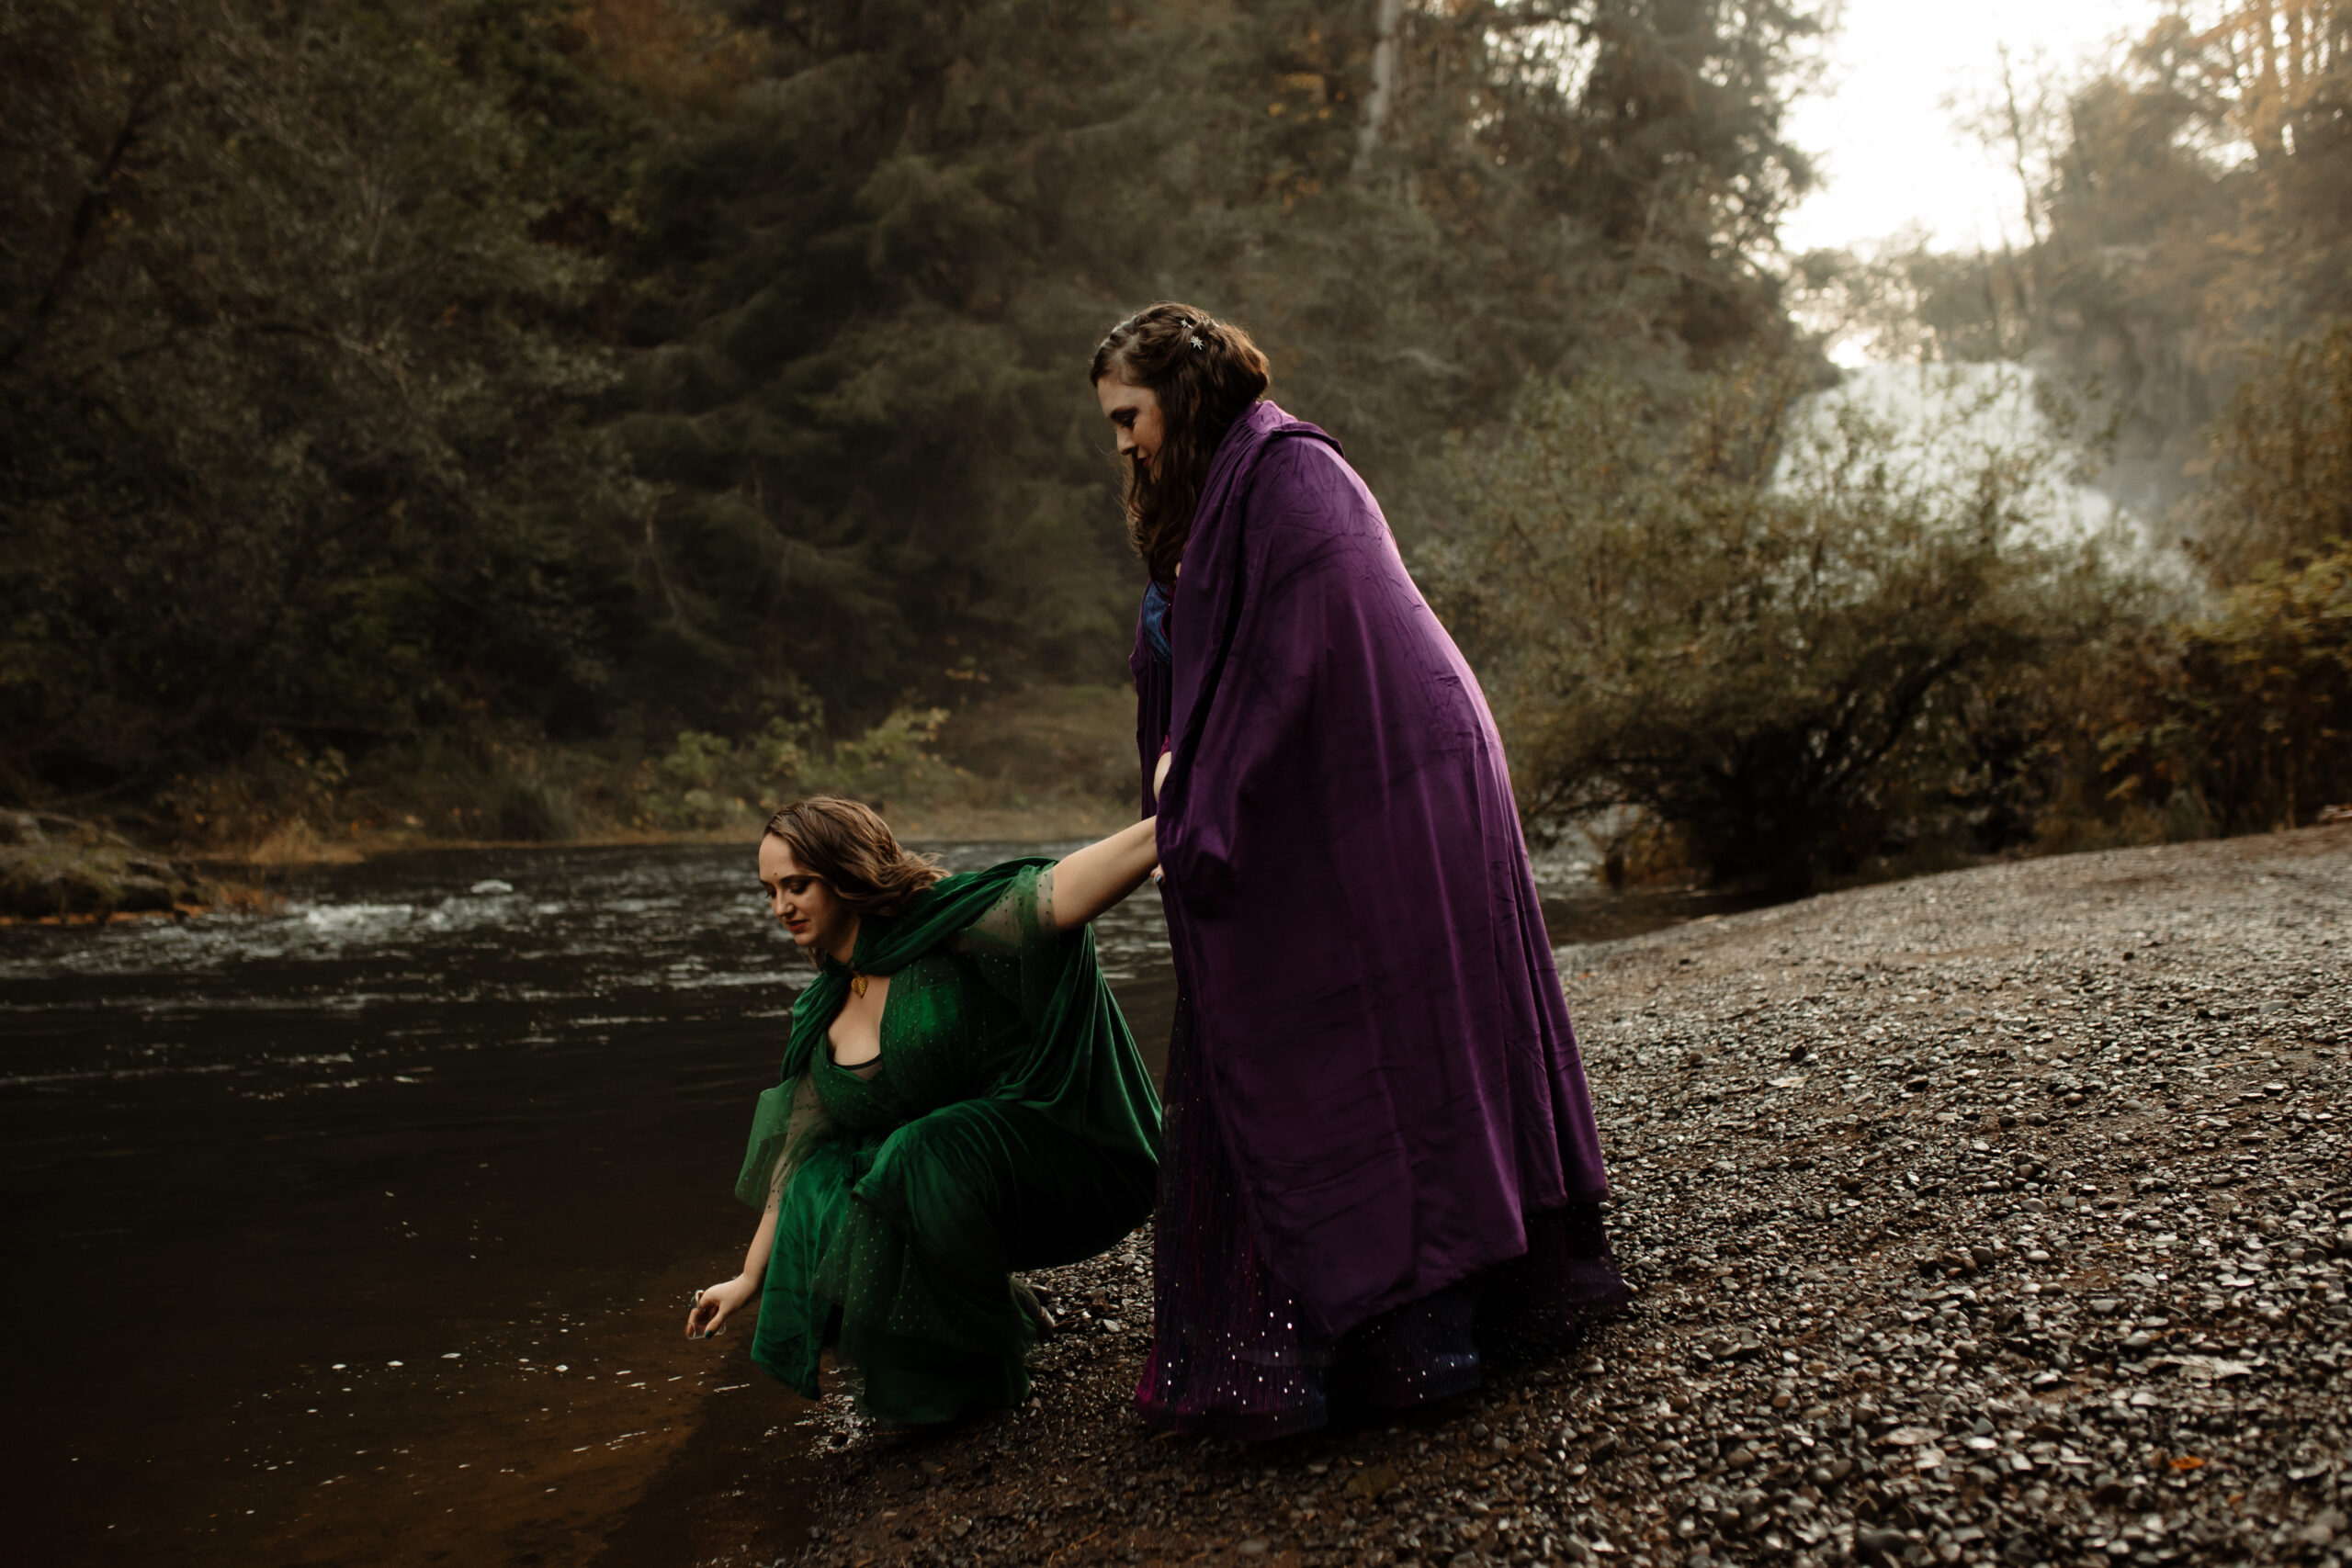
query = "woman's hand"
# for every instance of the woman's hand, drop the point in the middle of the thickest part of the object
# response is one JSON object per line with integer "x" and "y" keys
{"x": 714, "y": 1307}
{"x": 1159, "y": 783}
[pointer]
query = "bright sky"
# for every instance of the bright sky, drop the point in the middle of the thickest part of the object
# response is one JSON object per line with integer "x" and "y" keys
{"x": 1890, "y": 151}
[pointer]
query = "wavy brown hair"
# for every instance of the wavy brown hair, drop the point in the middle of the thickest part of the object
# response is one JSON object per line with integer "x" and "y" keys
{"x": 1206, "y": 374}
{"x": 854, "y": 853}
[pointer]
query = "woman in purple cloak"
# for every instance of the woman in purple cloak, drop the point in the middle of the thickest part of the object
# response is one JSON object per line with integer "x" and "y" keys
{"x": 1379, "y": 1149}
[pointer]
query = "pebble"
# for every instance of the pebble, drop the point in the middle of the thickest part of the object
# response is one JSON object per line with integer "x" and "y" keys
{"x": 2072, "y": 1300}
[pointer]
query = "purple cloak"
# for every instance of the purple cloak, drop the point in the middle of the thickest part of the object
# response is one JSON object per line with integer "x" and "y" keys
{"x": 1349, "y": 896}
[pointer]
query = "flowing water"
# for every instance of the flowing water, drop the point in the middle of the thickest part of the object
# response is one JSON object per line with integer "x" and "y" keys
{"x": 362, "y": 1232}
{"x": 1943, "y": 425}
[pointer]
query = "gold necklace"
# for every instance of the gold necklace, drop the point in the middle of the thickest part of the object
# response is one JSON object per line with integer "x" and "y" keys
{"x": 857, "y": 983}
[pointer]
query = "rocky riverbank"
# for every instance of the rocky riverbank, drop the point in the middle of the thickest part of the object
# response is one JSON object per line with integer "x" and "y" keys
{"x": 2004, "y": 1216}
{"x": 62, "y": 869}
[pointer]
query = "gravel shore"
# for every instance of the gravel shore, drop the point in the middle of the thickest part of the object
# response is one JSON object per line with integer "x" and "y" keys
{"x": 1998, "y": 1216}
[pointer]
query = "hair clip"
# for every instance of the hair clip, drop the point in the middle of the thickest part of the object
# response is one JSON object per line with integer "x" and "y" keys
{"x": 1196, "y": 343}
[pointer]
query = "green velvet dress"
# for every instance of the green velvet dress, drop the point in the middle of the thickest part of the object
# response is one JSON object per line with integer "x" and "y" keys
{"x": 1008, "y": 1124}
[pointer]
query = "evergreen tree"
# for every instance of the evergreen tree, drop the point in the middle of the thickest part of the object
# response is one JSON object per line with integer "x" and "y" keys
{"x": 295, "y": 443}
{"x": 871, "y": 295}
{"x": 878, "y": 285}
{"x": 576, "y": 365}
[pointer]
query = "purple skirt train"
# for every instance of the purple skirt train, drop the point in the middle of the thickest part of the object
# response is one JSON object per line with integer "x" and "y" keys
{"x": 1234, "y": 1356}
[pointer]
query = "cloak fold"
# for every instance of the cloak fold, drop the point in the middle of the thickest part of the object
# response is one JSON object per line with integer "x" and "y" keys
{"x": 1349, "y": 896}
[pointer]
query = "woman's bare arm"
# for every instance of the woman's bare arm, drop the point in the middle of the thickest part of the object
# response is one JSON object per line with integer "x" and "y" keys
{"x": 714, "y": 1307}
{"x": 1090, "y": 880}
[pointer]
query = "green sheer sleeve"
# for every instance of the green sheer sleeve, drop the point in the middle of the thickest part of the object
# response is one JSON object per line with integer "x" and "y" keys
{"x": 895, "y": 1237}
{"x": 787, "y": 1125}
{"x": 1075, "y": 1062}
{"x": 1015, "y": 946}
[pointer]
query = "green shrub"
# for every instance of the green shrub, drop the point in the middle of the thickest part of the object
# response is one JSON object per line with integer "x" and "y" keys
{"x": 534, "y": 812}
{"x": 2241, "y": 717}
{"x": 1780, "y": 640}
{"x": 707, "y": 783}
{"x": 2279, "y": 489}
{"x": 2245, "y": 715}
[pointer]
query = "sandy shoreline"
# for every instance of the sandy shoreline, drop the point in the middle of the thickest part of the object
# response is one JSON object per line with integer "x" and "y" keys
{"x": 1998, "y": 1216}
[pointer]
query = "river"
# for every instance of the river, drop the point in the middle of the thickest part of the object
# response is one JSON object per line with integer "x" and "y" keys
{"x": 362, "y": 1232}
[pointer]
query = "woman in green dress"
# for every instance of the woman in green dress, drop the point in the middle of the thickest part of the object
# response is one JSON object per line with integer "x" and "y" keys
{"x": 960, "y": 1100}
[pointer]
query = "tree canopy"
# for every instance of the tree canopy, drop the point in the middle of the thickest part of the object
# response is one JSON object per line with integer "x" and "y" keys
{"x": 302, "y": 436}
{"x": 867, "y": 295}
{"x": 2181, "y": 207}
{"x": 641, "y": 364}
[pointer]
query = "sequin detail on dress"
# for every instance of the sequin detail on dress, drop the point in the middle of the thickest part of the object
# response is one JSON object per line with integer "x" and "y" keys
{"x": 1234, "y": 1356}
{"x": 910, "y": 1193}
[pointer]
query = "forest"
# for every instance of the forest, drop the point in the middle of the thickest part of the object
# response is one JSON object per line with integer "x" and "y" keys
{"x": 521, "y": 419}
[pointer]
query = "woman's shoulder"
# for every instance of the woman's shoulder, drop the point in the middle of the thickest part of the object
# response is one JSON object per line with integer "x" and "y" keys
{"x": 1006, "y": 872}
{"x": 1308, "y": 476}
{"x": 1002, "y": 872}
{"x": 1301, "y": 454}
{"x": 980, "y": 910}
{"x": 1298, "y": 443}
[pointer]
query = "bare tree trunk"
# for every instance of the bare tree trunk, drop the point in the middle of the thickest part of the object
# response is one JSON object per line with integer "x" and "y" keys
{"x": 2029, "y": 281}
{"x": 2269, "y": 113}
{"x": 2020, "y": 140}
{"x": 1388, "y": 18}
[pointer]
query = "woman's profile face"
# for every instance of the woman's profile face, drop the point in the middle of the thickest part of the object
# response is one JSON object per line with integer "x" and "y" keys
{"x": 1133, "y": 412}
{"x": 803, "y": 904}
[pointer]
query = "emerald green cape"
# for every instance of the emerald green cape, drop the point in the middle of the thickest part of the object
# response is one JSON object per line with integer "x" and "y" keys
{"x": 1082, "y": 1069}
{"x": 1011, "y": 1125}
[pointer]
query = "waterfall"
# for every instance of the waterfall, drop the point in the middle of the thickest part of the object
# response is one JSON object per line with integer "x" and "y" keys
{"x": 1940, "y": 425}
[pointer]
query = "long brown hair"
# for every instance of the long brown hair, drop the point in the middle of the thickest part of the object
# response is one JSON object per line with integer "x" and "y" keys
{"x": 854, "y": 853}
{"x": 1206, "y": 374}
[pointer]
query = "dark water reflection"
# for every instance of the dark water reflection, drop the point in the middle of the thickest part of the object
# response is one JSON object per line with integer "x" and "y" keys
{"x": 361, "y": 1232}
{"x": 304, "y": 1213}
